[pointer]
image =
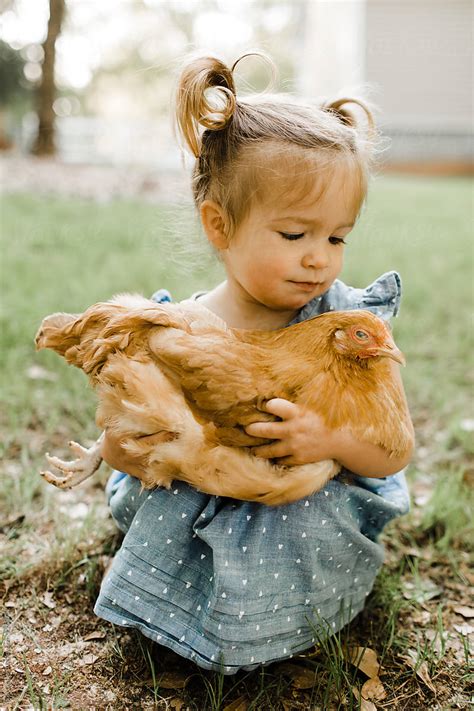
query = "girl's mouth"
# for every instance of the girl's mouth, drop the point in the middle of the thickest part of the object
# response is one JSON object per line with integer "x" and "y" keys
{"x": 306, "y": 285}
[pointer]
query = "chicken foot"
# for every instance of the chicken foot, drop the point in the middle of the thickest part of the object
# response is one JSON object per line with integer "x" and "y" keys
{"x": 75, "y": 471}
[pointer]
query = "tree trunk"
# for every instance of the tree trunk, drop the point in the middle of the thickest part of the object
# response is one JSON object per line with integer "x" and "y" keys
{"x": 5, "y": 143}
{"x": 44, "y": 143}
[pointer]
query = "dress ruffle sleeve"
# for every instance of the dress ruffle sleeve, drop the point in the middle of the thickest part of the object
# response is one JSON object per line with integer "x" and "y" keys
{"x": 382, "y": 297}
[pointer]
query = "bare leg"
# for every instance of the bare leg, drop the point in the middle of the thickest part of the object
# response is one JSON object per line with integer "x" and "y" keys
{"x": 76, "y": 471}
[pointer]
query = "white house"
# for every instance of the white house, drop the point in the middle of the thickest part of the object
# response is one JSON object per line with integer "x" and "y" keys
{"x": 416, "y": 56}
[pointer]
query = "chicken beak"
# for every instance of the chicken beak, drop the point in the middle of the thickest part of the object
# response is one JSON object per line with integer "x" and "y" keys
{"x": 390, "y": 350}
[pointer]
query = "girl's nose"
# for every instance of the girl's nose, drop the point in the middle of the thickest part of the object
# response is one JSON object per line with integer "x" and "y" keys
{"x": 317, "y": 258}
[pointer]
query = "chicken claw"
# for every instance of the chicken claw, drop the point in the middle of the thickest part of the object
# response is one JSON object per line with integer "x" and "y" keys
{"x": 87, "y": 462}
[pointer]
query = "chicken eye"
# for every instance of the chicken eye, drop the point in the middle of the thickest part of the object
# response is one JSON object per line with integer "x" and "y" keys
{"x": 361, "y": 335}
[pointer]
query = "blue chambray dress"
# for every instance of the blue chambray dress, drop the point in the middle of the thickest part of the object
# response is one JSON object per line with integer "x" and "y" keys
{"x": 234, "y": 585}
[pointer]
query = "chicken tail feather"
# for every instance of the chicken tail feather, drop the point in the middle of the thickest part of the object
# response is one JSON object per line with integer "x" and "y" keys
{"x": 54, "y": 332}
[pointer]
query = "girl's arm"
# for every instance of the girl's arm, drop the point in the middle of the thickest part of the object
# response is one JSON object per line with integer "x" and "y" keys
{"x": 364, "y": 458}
{"x": 302, "y": 437}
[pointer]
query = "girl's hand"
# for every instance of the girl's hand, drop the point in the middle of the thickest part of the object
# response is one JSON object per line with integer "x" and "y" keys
{"x": 301, "y": 436}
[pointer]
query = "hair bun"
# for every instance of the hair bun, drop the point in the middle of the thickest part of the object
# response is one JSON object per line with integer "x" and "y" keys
{"x": 347, "y": 117}
{"x": 205, "y": 97}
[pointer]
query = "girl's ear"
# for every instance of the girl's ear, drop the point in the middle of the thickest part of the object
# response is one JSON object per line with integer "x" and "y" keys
{"x": 214, "y": 222}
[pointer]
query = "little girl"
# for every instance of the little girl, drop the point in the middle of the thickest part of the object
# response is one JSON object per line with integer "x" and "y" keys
{"x": 233, "y": 584}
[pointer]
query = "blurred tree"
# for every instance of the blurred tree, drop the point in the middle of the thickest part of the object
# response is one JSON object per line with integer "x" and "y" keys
{"x": 138, "y": 70}
{"x": 12, "y": 86}
{"x": 44, "y": 143}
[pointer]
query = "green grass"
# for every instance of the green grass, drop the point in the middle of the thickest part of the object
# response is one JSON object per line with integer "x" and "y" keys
{"x": 64, "y": 254}
{"x": 447, "y": 517}
{"x": 421, "y": 228}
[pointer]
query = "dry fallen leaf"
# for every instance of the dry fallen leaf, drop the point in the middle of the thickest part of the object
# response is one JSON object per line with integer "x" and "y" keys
{"x": 373, "y": 689}
{"x": 89, "y": 658}
{"x": 366, "y": 660}
{"x": 301, "y": 677}
{"x": 240, "y": 704}
{"x": 176, "y": 703}
{"x": 16, "y": 638}
{"x": 423, "y": 590}
{"x": 172, "y": 680}
{"x": 364, "y": 704}
{"x": 464, "y": 629}
{"x": 411, "y": 658}
{"x": 465, "y": 611}
{"x": 47, "y": 600}
{"x": 47, "y": 671}
{"x": 94, "y": 635}
{"x": 421, "y": 617}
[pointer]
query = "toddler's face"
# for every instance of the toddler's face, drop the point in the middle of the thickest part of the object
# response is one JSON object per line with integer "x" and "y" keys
{"x": 284, "y": 256}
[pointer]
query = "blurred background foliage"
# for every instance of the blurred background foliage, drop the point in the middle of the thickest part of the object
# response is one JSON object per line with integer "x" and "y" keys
{"x": 113, "y": 65}
{"x": 117, "y": 61}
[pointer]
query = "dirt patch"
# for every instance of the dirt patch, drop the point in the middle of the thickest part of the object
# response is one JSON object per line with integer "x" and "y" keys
{"x": 59, "y": 654}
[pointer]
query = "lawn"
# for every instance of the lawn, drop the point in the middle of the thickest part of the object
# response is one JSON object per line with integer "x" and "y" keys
{"x": 62, "y": 255}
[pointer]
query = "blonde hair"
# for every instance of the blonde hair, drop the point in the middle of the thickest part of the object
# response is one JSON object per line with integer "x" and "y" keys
{"x": 244, "y": 146}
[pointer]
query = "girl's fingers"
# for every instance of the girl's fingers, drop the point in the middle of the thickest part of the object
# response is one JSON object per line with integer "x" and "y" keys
{"x": 266, "y": 430}
{"x": 271, "y": 451}
{"x": 273, "y": 430}
{"x": 281, "y": 408}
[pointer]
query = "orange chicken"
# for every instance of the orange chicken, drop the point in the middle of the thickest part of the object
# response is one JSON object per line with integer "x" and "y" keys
{"x": 178, "y": 369}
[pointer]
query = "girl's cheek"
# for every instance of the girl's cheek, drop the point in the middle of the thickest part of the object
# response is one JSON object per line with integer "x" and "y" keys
{"x": 338, "y": 264}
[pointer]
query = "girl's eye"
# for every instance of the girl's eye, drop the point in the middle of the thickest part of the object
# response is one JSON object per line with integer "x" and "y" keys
{"x": 361, "y": 335}
{"x": 337, "y": 240}
{"x": 289, "y": 235}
